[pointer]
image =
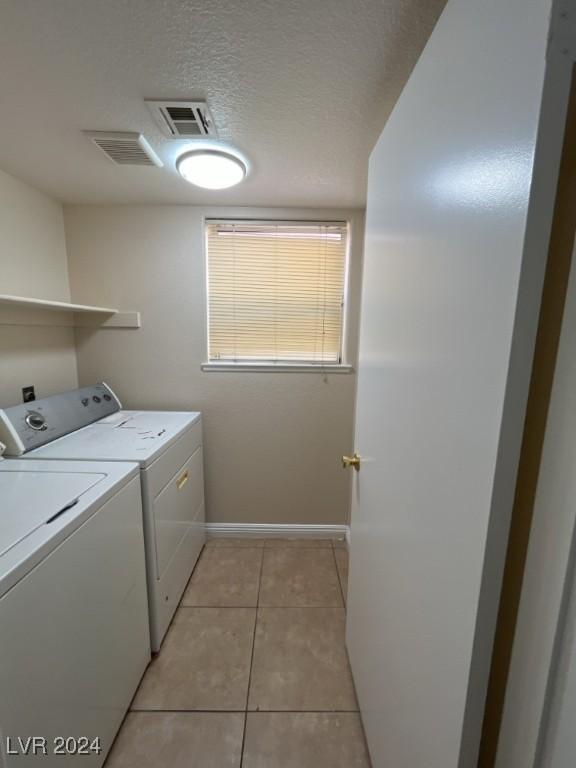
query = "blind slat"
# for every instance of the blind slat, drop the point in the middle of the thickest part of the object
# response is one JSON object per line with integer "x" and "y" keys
{"x": 276, "y": 291}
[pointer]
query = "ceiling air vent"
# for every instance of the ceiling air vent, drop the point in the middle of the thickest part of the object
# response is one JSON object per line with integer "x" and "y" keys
{"x": 183, "y": 119}
{"x": 124, "y": 147}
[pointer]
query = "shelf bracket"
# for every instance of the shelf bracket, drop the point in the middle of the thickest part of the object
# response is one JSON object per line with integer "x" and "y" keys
{"x": 117, "y": 320}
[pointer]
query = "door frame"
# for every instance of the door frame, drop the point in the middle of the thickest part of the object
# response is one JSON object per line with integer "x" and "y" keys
{"x": 560, "y": 98}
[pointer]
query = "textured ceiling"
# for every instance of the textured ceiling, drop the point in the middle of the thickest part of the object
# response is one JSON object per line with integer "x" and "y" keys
{"x": 301, "y": 87}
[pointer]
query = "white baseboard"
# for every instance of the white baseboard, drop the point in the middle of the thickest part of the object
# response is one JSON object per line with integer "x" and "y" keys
{"x": 270, "y": 531}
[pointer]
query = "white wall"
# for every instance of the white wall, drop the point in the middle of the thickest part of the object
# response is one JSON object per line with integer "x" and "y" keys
{"x": 547, "y": 563}
{"x": 273, "y": 440}
{"x": 33, "y": 263}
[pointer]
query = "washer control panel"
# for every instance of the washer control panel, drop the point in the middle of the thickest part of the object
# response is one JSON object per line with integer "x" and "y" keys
{"x": 30, "y": 425}
{"x": 36, "y": 421}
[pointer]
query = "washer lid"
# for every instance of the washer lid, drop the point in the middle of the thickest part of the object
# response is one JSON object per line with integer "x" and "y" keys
{"x": 31, "y": 499}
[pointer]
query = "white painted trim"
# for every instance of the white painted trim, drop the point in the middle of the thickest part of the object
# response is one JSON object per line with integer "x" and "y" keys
{"x": 271, "y": 531}
{"x": 60, "y": 306}
{"x": 562, "y": 34}
{"x": 277, "y": 367}
{"x": 118, "y": 320}
{"x": 85, "y": 315}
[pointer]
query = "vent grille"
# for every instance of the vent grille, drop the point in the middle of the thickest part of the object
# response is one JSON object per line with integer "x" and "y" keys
{"x": 183, "y": 119}
{"x": 125, "y": 147}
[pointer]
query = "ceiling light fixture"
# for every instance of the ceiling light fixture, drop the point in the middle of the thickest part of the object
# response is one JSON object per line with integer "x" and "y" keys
{"x": 211, "y": 168}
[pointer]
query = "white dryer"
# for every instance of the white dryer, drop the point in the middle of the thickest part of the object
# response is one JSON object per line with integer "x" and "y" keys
{"x": 89, "y": 424}
{"x": 73, "y": 608}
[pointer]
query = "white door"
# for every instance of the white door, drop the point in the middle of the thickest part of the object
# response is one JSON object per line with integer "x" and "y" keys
{"x": 439, "y": 413}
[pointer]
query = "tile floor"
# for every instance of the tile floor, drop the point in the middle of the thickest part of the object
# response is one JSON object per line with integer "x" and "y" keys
{"x": 253, "y": 672}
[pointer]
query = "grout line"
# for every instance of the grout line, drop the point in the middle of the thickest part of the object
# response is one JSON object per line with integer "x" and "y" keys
{"x": 307, "y": 607}
{"x": 193, "y": 711}
{"x": 195, "y": 607}
{"x": 272, "y": 546}
{"x": 259, "y": 585}
{"x": 253, "y": 711}
{"x": 233, "y": 546}
{"x": 153, "y": 655}
{"x": 302, "y": 711}
{"x": 296, "y": 546}
{"x": 196, "y": 565}
{"x": 339, "y": 579}
{"x": 257, "y": 608}
{"x": 359, "y": 713}
{"x": 251, "y": 659}
{"x": 252, "y": 607}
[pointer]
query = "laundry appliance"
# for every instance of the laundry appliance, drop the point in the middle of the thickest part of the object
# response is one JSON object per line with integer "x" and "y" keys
{"x": 73, "y": 608}
{"x": 89, "y": 424}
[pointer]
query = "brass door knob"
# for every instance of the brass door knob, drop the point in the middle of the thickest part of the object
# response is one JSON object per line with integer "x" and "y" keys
{"x": 351, "y": 461}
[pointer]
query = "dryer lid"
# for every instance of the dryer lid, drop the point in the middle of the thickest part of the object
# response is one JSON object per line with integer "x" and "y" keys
{"x": 29, "y": 499}
{"x": 125, "y": 436}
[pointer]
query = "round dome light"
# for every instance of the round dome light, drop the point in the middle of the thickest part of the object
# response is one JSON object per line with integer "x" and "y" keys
{"x": 211, "y": 168}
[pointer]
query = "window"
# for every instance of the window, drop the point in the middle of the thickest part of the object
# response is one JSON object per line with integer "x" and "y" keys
{"x": 276, "y": 292}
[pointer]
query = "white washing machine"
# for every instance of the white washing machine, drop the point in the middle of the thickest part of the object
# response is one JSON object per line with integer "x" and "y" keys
{"x": 74, "y": 640}
{"x": 89, "y": 424}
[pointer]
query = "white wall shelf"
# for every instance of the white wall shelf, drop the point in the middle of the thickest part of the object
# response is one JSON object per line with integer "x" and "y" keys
{"x": 85, "y": 314}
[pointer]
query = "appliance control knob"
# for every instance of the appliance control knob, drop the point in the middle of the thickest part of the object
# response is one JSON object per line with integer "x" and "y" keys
{"x": 85, "y": 401}
{"x": 96, "y": 399}
{"x": 107, "y": 398}
{"x": 36, "y": 421}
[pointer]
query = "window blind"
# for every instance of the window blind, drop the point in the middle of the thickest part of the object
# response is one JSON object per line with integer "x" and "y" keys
{"x": 276, "y": 291}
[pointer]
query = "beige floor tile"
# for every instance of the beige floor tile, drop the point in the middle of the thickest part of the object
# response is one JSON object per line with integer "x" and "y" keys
{"x": 300, "y": 661}
{"x": 311, "y": 740}
{"x": 204, "y": 662}
{"x": 244, "y": 541}
{"x": 302, "y": 543}
{"x": 178, "y": 740}
{"x": 225, "y": 576}
{"x": 299, "y": 577}
{"x": 341, "y": 556}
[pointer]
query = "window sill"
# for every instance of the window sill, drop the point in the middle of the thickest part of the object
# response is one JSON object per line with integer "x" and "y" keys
{"x": 276, "y": 368}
